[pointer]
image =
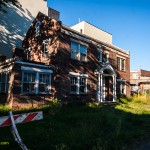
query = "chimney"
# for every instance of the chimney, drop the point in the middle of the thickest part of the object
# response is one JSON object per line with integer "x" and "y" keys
{"x": 54, "y": 14}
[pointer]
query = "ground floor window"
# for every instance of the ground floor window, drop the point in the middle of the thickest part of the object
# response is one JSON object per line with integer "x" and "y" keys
{"x": 4, "y": 82}
{"x": 121, "y": 87}
{"x": 29, "y": 82}
{"x": 44, "y": 82}
{"x": 78, "y": 83}
{"x": 36, "y": 81}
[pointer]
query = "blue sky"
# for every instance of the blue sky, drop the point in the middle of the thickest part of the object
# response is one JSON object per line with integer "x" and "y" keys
{"x": 127, "y": 20}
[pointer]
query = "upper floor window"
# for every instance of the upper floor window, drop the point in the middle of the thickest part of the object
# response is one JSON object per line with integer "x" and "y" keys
{"x": 36, "y": 81}
{"x": 107, "y": 57}
{"x": 100, "y": 56}
{"x": 4, "y": 82}
{"x": 37, "y": 28}
{"x": 45, "y": 48}
{"x": 78, "y": 84}
{"x": 78, "y": 51}
{"x": 121, "y": 64}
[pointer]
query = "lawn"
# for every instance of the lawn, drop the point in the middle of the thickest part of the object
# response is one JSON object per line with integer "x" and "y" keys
{"x": 83, "y": 127}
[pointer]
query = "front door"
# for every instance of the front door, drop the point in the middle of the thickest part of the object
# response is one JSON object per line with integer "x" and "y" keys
{"x": 107, "y": 88}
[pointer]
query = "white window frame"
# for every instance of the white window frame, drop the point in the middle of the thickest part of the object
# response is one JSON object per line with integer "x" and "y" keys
{"x": 107, "y": 57}
{"x": 135, "y": 76}
{"x": 45, "y": 47}
{"x": 100, "y": 57}
{"x": 37, "y": 72}
{"x": 28, "y": 82}
{"x": 77, "y": 54}
{"x": 6, "y": 82}
{"x": 78, "y": 76}
{"x": 122, "y": 83}
{"x": 120, "y": 68}
{"x": 45, "y": 44}
{"x": 37, "y": 28}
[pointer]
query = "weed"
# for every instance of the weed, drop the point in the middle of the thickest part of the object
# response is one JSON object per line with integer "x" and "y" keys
{"x": 92, "y": 126}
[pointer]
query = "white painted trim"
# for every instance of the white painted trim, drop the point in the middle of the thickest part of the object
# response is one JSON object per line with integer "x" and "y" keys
{"x": 121, "y": 57}
{"x": 120, "y": 61}
{"x": 101, "y": 89}
{"x": 108, "y": 66}
{"x": 120, "y": 80}
{"x": 35, "y": 69}
{"x": 78, "y": 52}
{"x": 36, "y": 83}
{"x": 78, "y": 74}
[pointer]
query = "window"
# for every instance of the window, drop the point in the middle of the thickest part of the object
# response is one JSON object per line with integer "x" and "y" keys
{"x": 121, "y": 64}
{"x": 78, "y": 52}
{"x": 37, "y": 28}
{"x": 36, "y": 81}
{"x": 45, "y": 48}
{"x": 4, "y": 81}
{"x": 44, "y": 83}
{"x": 135, "y": 76}
{"x": 73, "y": 84}
{"x": 29, "y": 82}
{"x": 121, "y": 86}
{"x": 99, "y": 55}
{"x": 82, "y": 85}
{"x": 78, "y": 84}
{"x": 107, "y": 57}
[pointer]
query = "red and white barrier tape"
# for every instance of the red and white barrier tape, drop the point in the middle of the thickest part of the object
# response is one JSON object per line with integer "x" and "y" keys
{"x": 21, "y": 118}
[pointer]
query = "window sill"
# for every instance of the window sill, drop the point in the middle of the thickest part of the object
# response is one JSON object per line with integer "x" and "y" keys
{"x": 122, "y": 70}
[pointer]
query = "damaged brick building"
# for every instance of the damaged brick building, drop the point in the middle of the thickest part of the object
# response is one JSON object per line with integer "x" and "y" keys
{"x": 68, "y": 64}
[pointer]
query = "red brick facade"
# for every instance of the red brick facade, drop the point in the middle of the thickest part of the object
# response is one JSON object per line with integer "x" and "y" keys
{"x": 92, "y": 79}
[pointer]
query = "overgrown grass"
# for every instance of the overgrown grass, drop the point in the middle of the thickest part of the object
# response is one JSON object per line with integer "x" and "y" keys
{"x": 91, "y": 127}
{"x": 4, "y": 109}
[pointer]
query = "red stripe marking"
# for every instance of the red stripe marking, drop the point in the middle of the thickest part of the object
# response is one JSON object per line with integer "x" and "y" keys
{"x": 29, "y": 117}
{"x": 8, "y": 121}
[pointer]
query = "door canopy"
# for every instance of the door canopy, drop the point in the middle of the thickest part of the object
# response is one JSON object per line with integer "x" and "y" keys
{"x": 107, "y": 69}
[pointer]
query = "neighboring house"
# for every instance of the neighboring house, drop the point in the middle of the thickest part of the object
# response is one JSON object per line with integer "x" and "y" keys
{"x": 58, "y": 62}
{"x": 15, "y": 23}
{"x": 140, "y": 81}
